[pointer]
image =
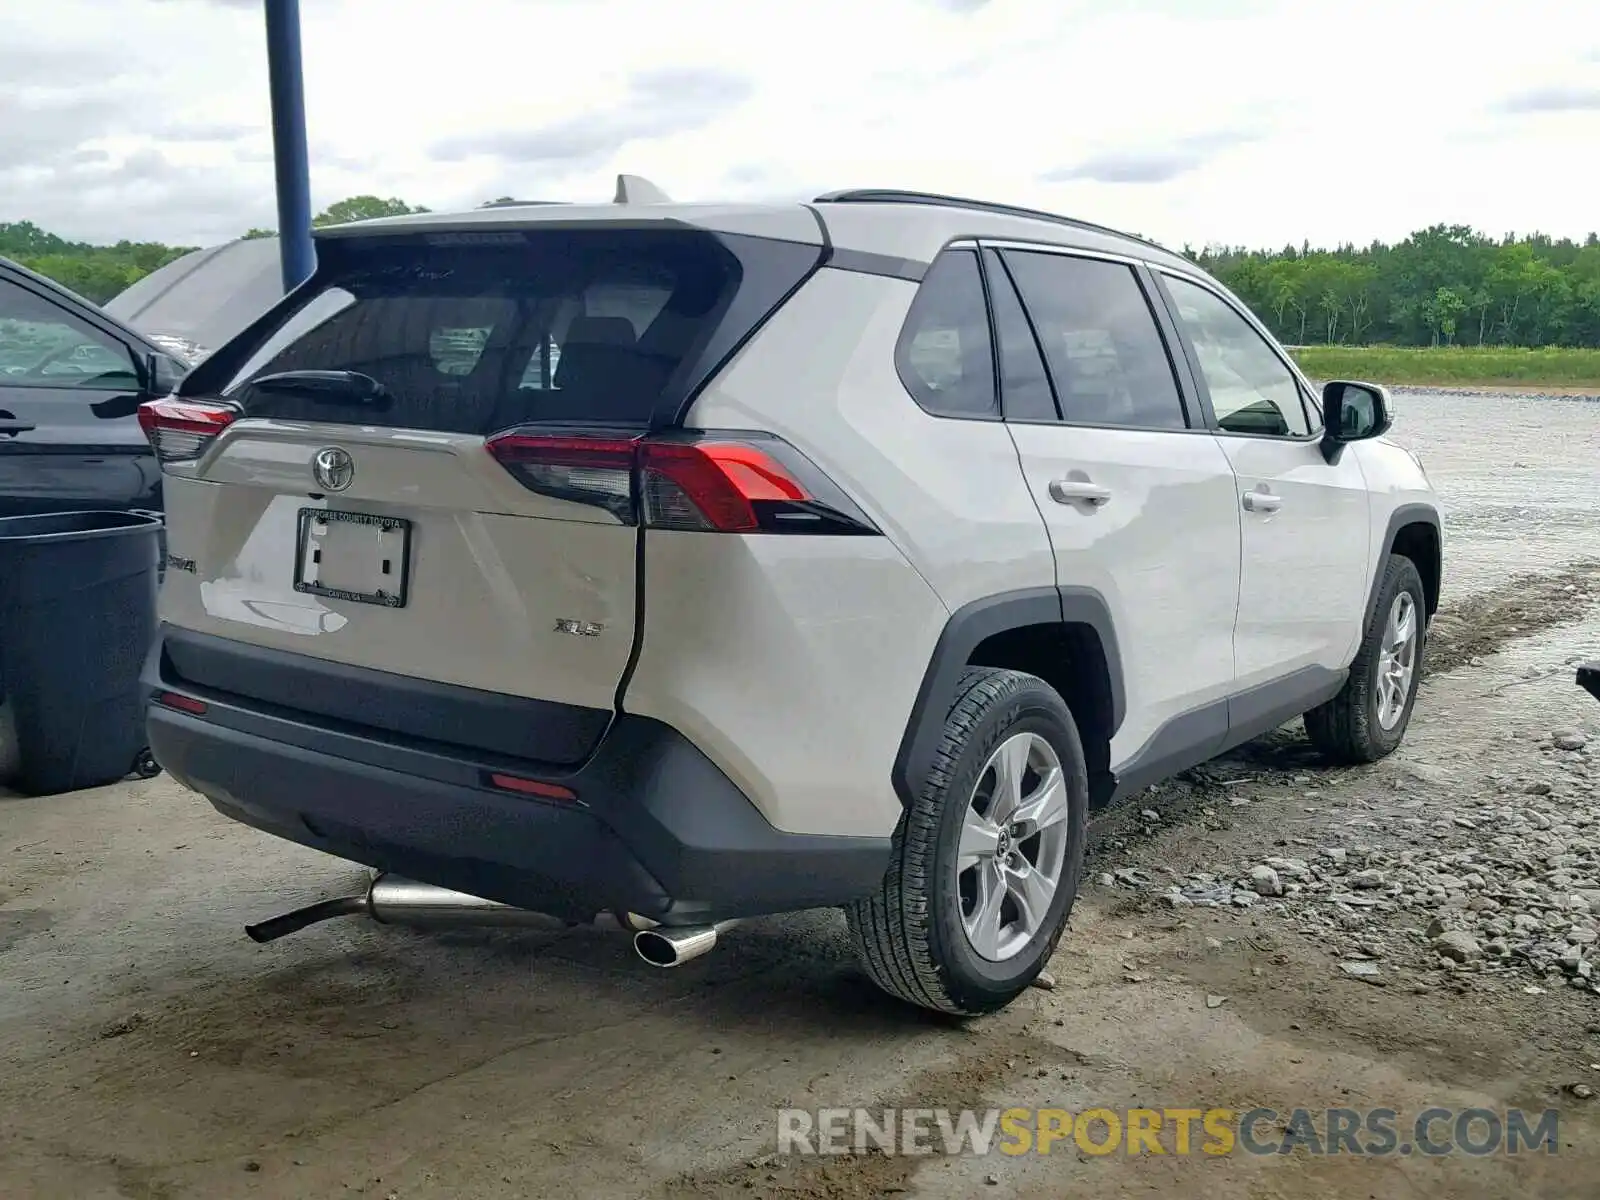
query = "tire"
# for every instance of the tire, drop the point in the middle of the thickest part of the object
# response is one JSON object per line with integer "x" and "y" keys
{"x": 911, "y": 936}
{"x": 1349, "y": 729}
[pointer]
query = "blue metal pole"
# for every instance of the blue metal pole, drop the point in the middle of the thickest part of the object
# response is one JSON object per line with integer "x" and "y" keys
{"x": 289, "y": 140}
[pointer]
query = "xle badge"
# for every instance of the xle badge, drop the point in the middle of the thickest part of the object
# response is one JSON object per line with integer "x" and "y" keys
{"x": 181, "y": 564}
{"x": 578, "y": 628}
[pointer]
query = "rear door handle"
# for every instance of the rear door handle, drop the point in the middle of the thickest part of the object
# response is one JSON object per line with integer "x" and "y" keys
{"x": 16, "y": 427}
{"x": 1079, "y": 491}
{"x": 1262, "y": 502}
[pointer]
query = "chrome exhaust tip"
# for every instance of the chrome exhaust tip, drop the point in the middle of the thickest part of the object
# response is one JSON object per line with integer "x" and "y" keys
{"x": 392, "y": 900}
{"x": 664, "y": 946}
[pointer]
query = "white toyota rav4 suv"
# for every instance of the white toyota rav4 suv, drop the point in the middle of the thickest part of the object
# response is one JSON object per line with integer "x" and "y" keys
{"x": 696, "y": 562}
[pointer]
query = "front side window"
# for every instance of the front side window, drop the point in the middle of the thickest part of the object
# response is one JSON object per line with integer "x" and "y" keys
{"x": 944, "y": 356}
{"x": 1252, "y": 390}
{"x": 43, "y": 345}
{"x": 1101, "y": 342}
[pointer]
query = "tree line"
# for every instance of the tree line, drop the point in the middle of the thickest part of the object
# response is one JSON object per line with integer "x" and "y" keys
{"x": 100, "y": 272}
{"x": 1444, "y": 285}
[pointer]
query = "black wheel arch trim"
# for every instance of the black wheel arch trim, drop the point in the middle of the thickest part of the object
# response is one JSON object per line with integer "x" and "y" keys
{"x": 968, "y": 627}
{"x": 1405, "y": 514}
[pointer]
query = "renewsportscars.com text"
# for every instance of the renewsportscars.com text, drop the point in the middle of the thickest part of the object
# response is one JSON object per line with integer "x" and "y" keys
{"x": 1375, "y": 1132}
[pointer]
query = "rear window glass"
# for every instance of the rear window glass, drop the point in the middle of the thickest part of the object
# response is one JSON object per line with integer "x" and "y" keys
{"x": 557, "y": 326}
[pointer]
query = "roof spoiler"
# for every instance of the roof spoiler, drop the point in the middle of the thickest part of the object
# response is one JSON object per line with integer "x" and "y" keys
{"x": 636, "y": 189}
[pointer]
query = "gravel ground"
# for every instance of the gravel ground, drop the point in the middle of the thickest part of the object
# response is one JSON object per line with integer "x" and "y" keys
{"x": 1273, "y": 933}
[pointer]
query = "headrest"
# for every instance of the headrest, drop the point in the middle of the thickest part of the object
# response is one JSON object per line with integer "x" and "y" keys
{"x": 600, "y": 331}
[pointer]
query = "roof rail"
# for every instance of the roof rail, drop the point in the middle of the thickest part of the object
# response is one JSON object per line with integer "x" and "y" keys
{"x": 894, "y": 196}
{"x": 517, "y": 203}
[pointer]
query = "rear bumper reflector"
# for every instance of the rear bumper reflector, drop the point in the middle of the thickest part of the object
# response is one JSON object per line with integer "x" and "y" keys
{"x": 531, "y": 787}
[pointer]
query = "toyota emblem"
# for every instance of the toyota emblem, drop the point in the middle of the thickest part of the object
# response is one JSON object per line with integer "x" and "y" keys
{"x": 333, "y": 468}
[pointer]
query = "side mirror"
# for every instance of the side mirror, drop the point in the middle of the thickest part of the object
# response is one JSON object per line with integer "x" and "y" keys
{"x": 1353, "y": 412}
{"x": 162, "y": 374}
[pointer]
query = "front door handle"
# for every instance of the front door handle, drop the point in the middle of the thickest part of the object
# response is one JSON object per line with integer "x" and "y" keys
{"x": 1262, "y": 502}
{"x": 1079, "y": 491}
{"x": 16, "y": 427}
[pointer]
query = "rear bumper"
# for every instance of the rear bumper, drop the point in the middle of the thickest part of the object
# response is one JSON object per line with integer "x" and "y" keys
{"x": 656, "y": 829}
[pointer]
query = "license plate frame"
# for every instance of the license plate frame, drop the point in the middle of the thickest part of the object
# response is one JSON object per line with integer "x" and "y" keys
{"x": 307, "y": 555}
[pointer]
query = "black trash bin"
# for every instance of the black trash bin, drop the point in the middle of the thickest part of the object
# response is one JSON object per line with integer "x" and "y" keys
{"x": 77, "y": 616}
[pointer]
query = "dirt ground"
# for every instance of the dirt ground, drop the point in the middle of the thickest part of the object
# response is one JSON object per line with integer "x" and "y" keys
{"x": 148, "y": 1050}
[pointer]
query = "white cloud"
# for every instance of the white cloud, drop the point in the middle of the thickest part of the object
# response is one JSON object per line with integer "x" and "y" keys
{"x": 1243, "y": 121}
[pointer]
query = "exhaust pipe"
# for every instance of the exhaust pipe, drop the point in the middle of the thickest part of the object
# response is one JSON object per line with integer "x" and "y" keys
{"x": 665, "y": 946}
{"x": 394, "y": 901}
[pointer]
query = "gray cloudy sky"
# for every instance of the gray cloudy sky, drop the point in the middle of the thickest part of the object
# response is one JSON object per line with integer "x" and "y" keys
{"x": 1240, "y": 121}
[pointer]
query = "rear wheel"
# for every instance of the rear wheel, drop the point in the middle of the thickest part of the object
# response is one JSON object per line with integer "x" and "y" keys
{"x": 987, "y": 858}
{"x": 1367, "y": 720}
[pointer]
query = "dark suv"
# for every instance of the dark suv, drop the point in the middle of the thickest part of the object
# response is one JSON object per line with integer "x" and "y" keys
{"x": 71, "y": 381}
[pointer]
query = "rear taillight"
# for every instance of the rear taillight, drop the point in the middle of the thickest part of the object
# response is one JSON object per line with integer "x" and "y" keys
{"x": 180, "y": 430}
{"x": 706, "y": 482}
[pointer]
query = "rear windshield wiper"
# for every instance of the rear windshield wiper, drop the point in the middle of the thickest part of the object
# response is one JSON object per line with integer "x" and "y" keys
{"x": 329, "y": 387}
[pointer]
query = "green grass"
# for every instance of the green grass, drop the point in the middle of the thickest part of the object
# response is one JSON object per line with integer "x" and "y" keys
{"x": 1462, "y": 366}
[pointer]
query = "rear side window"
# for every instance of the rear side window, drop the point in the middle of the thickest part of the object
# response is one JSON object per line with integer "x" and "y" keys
{"x": 945, "y": 357}
{"x": 1101, "y": 342}
{"x": 547, "y": 326}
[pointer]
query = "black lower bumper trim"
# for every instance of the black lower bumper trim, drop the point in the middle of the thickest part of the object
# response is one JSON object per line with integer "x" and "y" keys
{"x": 657, "y": 828}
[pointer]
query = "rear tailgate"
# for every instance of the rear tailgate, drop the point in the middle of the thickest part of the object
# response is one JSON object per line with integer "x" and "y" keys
{"x": 381, "y": 535}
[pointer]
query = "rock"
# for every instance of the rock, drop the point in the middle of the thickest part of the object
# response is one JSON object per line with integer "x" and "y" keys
{"x": 1568, "y": 739}
{"x": 1335, "y": 854}
{"x": 1581, "y": 1091}
{"x": 1367, "y": 972}
{"x": 1243, "y": 899}
{"x": 1106, "y": 879}
{"x": 123, "y": 1025}
{"x": 1178, "y": 900}
{"x": 1370, "y": 878}
{"x": 1457, "y": 945}
{"x": 1150, "y": 814}
{"x": 1423, "y": 773}
{"x": 1538, "y": 789}
{"x": 1216, "y": 1001}
{"x": 1264, "y": 881}
{"x": 992, "y": 1180}
{"x": 1290, "y": 868}
{"x": 1044, "y": 981}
